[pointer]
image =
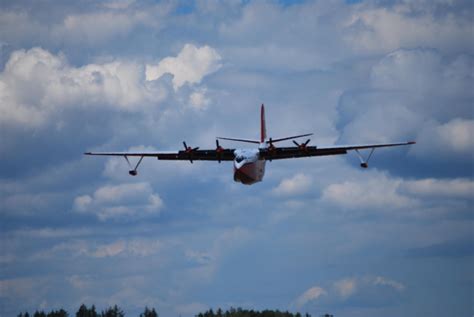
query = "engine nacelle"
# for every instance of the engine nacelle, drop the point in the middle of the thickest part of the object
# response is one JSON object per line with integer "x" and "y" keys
{"x": 364, "y": 165}
{"x": 133, "y": 172}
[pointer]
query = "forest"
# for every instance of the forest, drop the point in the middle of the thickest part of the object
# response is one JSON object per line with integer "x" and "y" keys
{"x": 115, "y": 311}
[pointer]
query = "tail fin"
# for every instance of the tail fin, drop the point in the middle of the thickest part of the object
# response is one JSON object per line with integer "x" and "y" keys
{"x": 263, "y": 129}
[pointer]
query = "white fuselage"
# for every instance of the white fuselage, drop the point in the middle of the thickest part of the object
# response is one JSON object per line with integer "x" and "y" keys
{"x": 248, "y": 167}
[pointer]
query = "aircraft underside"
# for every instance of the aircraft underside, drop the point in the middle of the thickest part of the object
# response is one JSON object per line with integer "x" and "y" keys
{"x": 249, "y": 173}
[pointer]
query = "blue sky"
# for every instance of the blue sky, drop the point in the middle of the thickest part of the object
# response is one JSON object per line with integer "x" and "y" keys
{"x": 317, "y": 235}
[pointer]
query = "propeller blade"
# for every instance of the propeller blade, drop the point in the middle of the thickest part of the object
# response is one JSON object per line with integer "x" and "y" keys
{"x": 307, "y": 141}
{"x": 185, "y": 146}
{"x": 296, "y": 143}
{"x": 196, "y": 148}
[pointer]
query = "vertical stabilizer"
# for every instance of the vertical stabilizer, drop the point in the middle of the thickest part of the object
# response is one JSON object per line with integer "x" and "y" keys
{"x": 263, "y": 128}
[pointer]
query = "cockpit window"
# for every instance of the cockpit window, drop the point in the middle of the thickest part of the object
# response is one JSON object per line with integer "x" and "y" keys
{"x": 239, "y": 158}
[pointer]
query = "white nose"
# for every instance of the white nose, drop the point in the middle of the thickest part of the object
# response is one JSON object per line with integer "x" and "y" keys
{"x": 238, "y": 165}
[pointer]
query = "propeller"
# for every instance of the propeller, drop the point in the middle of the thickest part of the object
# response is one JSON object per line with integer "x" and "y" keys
{"x": 219, "y": 150}
{"x": 190, "y": 151}
{"x": 271, "y": 147}
{"x": 302, "y": 146}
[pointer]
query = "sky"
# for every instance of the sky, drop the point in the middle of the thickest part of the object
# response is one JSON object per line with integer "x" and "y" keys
{"x": 318, "y": 235}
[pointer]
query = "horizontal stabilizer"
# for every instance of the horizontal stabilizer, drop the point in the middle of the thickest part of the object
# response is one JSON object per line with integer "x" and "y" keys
{"x": 290, "y": 137}
{"x": 239, "y": 140}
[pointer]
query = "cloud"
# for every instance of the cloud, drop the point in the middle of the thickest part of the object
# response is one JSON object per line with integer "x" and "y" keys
{"x": 408, "y": 24}
{"x": 310, "y": 295}
{"x": 379, "y": 192}
{"x": 190, "y": 66}
{"x": 198, "y": 99}
{"x": 36, "y": 85}
{"x": 296, "y": 185}
{"x": 114, "y": 22}
{"x": 451, "y": 140}
{"x": 383, "y": 281}
{"x": 424, "y": 71}
{"x": 440, "y": 188}
{"x": 96, "y": 27}
{"x": 124, "y": 201}
{"x": 110, "y": 250}
{"x": 346, "y": 287}
{"x": 133, "y": 247}
{"x": 409, "y": 91}
{"x": 360, "y": 288}
{"x": 262, "y": 36}
{"x": 349, "y": 287}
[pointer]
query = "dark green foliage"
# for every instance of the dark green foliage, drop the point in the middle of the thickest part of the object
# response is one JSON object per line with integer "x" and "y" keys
{"x": 239, "y": 312}
{"x": 53, "y": 313}
{"x": 113, "y": 312}
{"x": 149, "y": 313}
{"x": 58, "y": 313}
{"x": 86, "y": 312}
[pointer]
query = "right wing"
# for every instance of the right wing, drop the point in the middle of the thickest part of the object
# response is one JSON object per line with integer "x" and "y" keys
{"x": 279, "y": 153}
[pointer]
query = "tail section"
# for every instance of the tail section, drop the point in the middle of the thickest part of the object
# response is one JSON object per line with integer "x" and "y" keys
{"x": 263, "y": 128}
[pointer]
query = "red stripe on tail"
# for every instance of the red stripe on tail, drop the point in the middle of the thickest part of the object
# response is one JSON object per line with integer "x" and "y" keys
{"x": 263, "y": 129}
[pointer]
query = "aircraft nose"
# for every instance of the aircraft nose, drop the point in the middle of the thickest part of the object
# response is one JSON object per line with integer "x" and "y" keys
{"x": 238, "y": 165}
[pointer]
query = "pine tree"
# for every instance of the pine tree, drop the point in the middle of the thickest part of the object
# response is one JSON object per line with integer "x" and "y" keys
{"x": 149, "y": 313}
{"x": 113, "y": 312}
{"x": 39, "y": 314}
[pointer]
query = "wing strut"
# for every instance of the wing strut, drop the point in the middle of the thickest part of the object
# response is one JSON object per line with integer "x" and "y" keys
{"x": 364, "y": 163}
{"x": 133, "y": 171}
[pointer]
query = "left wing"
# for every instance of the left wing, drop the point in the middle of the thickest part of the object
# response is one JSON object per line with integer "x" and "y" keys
{"x": 185, "y": 155}
{"x": 188, "y": 154}
{"x": 278, "y": 153}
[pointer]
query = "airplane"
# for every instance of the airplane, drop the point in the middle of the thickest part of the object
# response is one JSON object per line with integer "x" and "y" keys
{"x": 249, "y": 163}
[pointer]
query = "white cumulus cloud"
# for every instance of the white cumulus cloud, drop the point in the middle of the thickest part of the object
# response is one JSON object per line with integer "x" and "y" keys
{"x": 36, "y": 85}
{"x": 453, "y": 138}
{"x": 371, "y": 192}
{"x": 120, "y": 201}
{"x": 190, "y": 66}
{"x": 383, "y": 29}
{"x": 442, "y": 188}
{"x": 298, "y": 184}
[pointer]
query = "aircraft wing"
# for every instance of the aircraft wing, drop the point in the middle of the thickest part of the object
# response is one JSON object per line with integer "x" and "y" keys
{"x": 279, "y": 153}
{"x": 185, "y": 155}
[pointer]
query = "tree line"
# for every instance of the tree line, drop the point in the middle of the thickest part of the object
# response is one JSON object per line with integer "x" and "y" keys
{"x": 115, "y": 311}
{"x": 239, "y": 312}
{"x": 84, "y": 311}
